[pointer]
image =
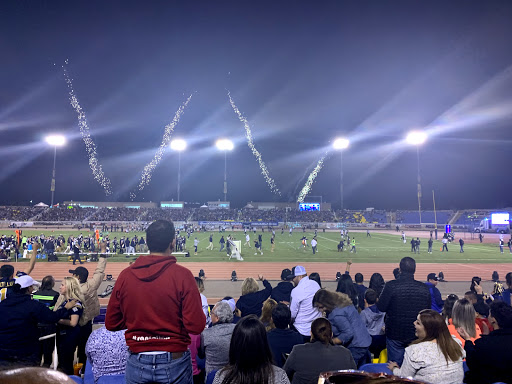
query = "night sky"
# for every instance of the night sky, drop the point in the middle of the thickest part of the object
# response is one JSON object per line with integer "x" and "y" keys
{"x": 302, "y": 73}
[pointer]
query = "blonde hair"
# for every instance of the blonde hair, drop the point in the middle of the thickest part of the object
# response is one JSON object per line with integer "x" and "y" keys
{"x": 73, "y": 291}
{"x": 266, "y": 314}
{"x": 250, "y": 285}
{"x": 464, "y": 315}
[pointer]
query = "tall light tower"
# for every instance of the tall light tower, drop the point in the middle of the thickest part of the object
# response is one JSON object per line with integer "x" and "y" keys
{"x": 417, "y": 138}
{"x": 55, "y": 141}
{"x": 225, "y": 145}
{"x": 341, "y": 144}
{"x": 179, "y": 145}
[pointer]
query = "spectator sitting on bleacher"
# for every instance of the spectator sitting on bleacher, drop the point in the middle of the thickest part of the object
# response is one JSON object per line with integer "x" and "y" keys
{"x": 282, "y": 339}
{"x": 251, "y": 301}
{"x": 281, "y": 292}
{"x": 107, "y": 352}
{"x": 488, "y": 358}
{"x": 435, "y": 357}
{"x": 250, "y": 358}
{"x": 307, "y": 361}
{"x": 266, "y": 314}
{"x": 347, "y": 326}
{"x": 215, "y": 340}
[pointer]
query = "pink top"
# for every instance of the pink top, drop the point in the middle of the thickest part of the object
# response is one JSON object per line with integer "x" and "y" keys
{"x": 195, "y": 343}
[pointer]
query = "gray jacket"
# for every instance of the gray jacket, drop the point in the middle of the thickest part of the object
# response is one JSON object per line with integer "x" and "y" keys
{"x": 373, "y": 320}
{"x": 215, "y": 346}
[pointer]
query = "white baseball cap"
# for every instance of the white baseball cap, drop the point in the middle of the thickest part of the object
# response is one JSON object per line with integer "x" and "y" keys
{"x": 26, "y": 281}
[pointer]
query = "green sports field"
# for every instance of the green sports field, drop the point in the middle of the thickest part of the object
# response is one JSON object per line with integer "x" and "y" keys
{"x": 380, "y": 248}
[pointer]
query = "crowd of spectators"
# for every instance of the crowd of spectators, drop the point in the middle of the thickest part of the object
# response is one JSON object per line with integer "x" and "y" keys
{"x": 265, "y": 215}
{"x": 66, "y": 214}
{"x": 206, "y": 214}
{"x": 310, "y": 216}
{"x": 291, "y": 332}
{"x": 19, "y": 213}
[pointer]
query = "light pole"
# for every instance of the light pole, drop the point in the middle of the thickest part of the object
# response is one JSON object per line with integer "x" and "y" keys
{"x": 417, "y": 138}
{"x": 55, "y": 141}
{"x": 225, "y": 145}
{"x": 179, "y": 145}
{"x": 341, "y": 144}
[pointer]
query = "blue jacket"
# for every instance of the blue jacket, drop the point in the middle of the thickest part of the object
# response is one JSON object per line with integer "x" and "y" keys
{"x": 437, "y": 301}
{"x": 348, "y": 327}
{"x": 19, "y": 333}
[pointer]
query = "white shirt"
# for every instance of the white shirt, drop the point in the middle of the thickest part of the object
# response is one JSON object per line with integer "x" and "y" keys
{"x": 247, "y": 238}
{"x": 425, "y": 362}
{"x": 196, "y": 242}
{"x": 301, "y": 305}
{"x": 313, "y": 243}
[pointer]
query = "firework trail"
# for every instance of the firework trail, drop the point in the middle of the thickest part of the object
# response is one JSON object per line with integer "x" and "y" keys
{"x": 166, "y": 139}
{"x": 311, "y": 179}
{"x": 248, "y": 134}
{"x": 90, "y": 146}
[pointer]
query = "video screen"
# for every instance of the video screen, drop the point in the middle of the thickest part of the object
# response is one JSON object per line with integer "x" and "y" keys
{"x": 500, "y": 218}
{"x": 309, "y": 206}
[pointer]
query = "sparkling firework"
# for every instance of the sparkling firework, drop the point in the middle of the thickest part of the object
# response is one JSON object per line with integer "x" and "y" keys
{"x": 311, "y": 179}
{"x": 90, "y": 146}
{"x": 150, "y": 167}
{"x": 248, "y": 134}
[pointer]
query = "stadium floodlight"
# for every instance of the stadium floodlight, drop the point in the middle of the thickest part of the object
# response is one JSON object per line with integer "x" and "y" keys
{"x": 416, "y": 137}
{"x": 55, "y": 141}
{"x": 179, "y": 145}
{"x": 341, "y": 143}
{"x": 225, "y": 145}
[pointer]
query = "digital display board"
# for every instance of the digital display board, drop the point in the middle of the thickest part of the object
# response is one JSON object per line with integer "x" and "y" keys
{"x": 309, "y": 206}
{"x": 171, "y": 205}
{"x": 500, "y": 218}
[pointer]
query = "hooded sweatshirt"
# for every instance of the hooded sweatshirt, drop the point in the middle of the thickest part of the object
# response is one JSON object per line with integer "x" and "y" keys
{"x": 373, "y": 319}
{"x": 158, "y": 303}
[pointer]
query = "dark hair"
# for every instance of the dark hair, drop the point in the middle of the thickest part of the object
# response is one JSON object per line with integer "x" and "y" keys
{"x": 346, "y": 285}
{"x": 436, "y": 329}
{"x": 47, "y": 283}
{"x": 377, "y": 283}
{"x": 508, "y": 279}
{"x": 358, "y": 277}
{"x": 502, "y": 312}
{"x": 370, "y": 296}
{"x": 6, "y": 271}
{"x": 316, "y": 277}
{"x": 407, "y": 265}
{"x": 474, "y": 280}
{"x": 250, "y": 358}
{"x": 281, "y": 316}
{"x": 321, "y": 330}
{"x": 448, "y": 306}
{"x": 16, "y": 288}
{"x": 472, "y": 295}
{"x": 396, "y": 273}
{"x": 159, "y": 235}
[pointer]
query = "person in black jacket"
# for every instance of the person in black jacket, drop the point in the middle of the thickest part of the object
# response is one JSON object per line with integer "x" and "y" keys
{"x": 281, "y": 292}
{"x": 19, "y": 333}
{"x": 251, "y": 301}
{"x": 402, "y": 300}
{"x": 488, "y": 358}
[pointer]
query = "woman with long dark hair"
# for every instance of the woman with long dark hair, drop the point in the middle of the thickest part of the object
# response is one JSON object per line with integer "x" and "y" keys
{"x": 435, "y": 357}
{"x": 250, "y": 358}
{"x": 346, "y": 286}
{"x": 377, "y": 283}
{"x": 307, "y": 361}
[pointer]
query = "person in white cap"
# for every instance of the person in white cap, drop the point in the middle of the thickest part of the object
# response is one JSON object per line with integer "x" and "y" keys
{"x": 19, "y": 333}
{"x": 301, "y": 306}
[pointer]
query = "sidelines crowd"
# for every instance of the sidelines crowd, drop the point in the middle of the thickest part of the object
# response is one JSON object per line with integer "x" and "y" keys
{"x": 160, "y": 329}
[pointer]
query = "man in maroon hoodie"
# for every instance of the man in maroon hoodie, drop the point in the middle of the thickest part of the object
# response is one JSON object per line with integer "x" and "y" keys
{"x": 158, "y": 303}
